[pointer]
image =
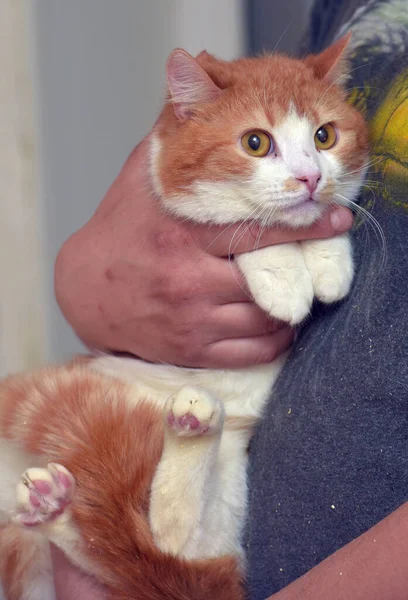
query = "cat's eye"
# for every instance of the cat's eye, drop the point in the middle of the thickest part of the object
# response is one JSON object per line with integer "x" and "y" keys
{"x": 325, "y": 137}
{"x": 257, "y": 143}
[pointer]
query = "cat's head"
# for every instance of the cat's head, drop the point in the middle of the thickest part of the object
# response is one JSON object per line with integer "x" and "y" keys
{"x": 269, "y": 138}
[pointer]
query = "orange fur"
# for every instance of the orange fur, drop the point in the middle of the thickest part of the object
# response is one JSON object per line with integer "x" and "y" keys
{"x": 15, "y": 558}
{"x": 203, "y": 147}
{"x": 291, "y": 185}
{"x": 84, "y": 421}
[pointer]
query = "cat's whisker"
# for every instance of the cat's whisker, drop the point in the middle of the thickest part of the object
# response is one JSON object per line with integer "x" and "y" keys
{"x": 205, "y": 250}
{"x": 371, "y": 185}
{"x": 371, "y": 181}
{"x": 343, "y": 76}
{"x": 281, "y": 37}
{"x": 244, "y": 227}
{"x": 369, "y": 163}
{"x": 264, "y": 224}
{"x": 239, "y": 235}
{"x": 371, "y": 220}
{"x": 262, "y": 220}
{"x": 372, "y": 188}
{"x": 362, "y": 87}
{"x": 247, "y": 294}
{"x": 237, "y": 231}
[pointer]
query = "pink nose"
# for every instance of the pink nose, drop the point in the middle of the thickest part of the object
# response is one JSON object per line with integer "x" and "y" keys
{"x": 311, "y": 180}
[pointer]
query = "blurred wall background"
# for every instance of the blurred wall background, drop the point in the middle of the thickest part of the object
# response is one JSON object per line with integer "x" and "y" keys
{"x": 22, "y": 265}
{"x": 82, "y": 83}
{"x": 276, "y": 24}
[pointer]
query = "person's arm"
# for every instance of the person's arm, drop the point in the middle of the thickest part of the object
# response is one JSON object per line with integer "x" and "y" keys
{"x": 135, "y": 280}
{"x": 372, "y": 567}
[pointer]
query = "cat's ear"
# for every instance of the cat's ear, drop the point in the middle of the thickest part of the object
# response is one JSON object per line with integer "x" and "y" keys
{"x": 189, "y": 84}
{"x": 331, "y": 64}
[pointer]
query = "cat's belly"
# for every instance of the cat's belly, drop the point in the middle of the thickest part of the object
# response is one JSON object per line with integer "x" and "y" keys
{"x": 242, "y": 391}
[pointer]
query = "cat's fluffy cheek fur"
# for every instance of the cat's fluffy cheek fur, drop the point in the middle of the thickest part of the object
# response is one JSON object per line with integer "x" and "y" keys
{"x": 261, "y": 196}
{"x": 218, "y": 202}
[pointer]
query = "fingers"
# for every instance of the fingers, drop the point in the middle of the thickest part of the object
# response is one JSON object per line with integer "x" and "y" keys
{"x": 223, "y": 281}
{"x": 244, "y": 352}
{"x": 242, "y": 320}
{"x": 222, "y": 241}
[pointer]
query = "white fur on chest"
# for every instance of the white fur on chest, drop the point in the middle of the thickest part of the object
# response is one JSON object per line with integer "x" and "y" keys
{"x": 243, "y": 392}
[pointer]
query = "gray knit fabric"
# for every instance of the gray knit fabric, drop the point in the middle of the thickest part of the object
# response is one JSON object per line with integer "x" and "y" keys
{"x": 330, "y": 459}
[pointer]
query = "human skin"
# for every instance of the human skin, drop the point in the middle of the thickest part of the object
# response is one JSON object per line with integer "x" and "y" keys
{"x": 371, "y": 567}
{"x": 136, "y": 280}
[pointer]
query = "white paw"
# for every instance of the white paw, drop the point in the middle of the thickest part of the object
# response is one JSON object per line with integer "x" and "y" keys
{"x": 332, "y": 284}
{"x": 330, "y": 263}
{"x": 279, "y": 281}
{"x": 193, "y": 412}
{"x": 285, "y": 296}
{"x": 43, "y": 494}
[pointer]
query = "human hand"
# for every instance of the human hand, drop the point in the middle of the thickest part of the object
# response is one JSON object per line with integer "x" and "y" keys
{"x": 70, "y": 583}
{"x": 136, "y": 280}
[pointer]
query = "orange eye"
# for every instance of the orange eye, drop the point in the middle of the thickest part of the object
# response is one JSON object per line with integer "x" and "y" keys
{"x": 325, "y": 137}
{"x": 256, "y": 143}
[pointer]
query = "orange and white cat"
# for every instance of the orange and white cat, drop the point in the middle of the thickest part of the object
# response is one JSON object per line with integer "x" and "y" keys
{"x": 138, "y": 471}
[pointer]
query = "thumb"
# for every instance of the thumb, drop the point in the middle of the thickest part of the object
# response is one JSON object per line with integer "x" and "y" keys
{"x": 244, "y": 237}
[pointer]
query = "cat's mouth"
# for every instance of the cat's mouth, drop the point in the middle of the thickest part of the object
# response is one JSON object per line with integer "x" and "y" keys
{"x": 301, "y": 213}
{"x": 301, "y": 206}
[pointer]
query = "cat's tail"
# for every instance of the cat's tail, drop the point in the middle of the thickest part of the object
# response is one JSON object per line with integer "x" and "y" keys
{"x": 111, "y": 442}
{"x": 167, "y": 578}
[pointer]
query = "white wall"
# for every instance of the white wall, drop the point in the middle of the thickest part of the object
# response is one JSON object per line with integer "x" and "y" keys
{"x": 99, "y": 75}
{"x": 21, "y": 297}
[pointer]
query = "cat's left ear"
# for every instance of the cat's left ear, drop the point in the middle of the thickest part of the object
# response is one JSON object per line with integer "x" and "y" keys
{"x": 331, "y": 64}
{"x": 189, "y": 85}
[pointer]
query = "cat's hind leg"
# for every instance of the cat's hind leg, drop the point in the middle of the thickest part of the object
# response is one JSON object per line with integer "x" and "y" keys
{"x": 41, "y": 514}
{"x": 25, "y": 563}
{"x": 43, "y": 504}
{"x": 185, "y": 476}
{"x": 43, "y": 494}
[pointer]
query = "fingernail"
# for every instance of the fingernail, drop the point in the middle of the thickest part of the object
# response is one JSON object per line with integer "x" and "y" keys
{"x": 341, "y": 219}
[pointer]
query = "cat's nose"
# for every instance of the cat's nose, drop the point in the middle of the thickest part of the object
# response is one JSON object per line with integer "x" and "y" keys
{"x": 311, "y": 180}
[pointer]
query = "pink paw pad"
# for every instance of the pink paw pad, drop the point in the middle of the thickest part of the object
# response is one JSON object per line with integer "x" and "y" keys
{"x": 186, "y": 422}
{"x": 43, "y": 494}
{"x": 193, "y": 412}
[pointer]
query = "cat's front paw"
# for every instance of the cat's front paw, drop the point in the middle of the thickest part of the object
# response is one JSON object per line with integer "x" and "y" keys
{"x": 279, "y": 281}
{"x": 43, "y": 495}
{"x": 332, "y": 284}
{"x": 330, "y": 263}
{"x": 193, "y": 412}
{"x": 287, "y": 298}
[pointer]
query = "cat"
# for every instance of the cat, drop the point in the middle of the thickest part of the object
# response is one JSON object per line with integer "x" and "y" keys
{"x": 137, "y": 471}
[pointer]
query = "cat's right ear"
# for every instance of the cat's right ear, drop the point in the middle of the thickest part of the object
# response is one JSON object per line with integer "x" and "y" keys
{"x": 189, "y": 85}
